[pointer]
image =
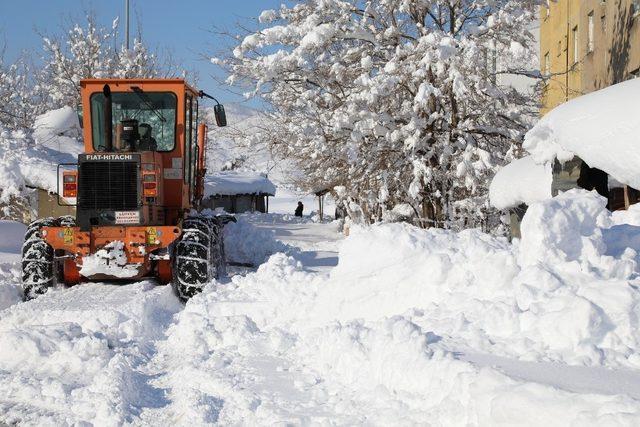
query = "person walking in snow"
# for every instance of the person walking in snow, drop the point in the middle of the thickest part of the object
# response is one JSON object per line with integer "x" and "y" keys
{"x": 299, "y": 209}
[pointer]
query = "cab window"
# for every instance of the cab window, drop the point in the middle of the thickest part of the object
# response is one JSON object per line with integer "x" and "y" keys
{"x": 142, "y": 121}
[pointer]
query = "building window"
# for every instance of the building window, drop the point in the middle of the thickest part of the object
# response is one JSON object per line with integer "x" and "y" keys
{"x": 547, "y": 64}
{"x": 590, "y": 42}
{"x": 576, "y": 45}
{"x": 559, "y": 47}
{"x": 603, "y": 23}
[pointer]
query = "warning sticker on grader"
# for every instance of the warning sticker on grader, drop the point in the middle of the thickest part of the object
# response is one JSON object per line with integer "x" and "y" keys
{"x": 127, "y": 217}
{"x": 152, "y": 235}
{"x": 68, "y": 236}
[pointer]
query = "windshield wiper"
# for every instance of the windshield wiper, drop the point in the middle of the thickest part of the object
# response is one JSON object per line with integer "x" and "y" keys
{"x": 143, "y": 96}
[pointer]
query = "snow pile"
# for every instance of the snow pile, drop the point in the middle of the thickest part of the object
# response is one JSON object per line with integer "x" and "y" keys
{"x": 601, "y": 128}
{"x": 10, "y": 292}
{"x": 11, "y": 238}
{"x": 247, "y": 244}
{"x": 11, "y": 146}
{"x": 73, "y": 357}
{"x": 110, "y": 261}
{"x": 566, "y": 293}
{"x": 412, "y": 327}
{"x": 521, "y": 181}
{"x": 233, "y": 182}
{"x": 12, "y": 233}
{"x": 393, "y": 332}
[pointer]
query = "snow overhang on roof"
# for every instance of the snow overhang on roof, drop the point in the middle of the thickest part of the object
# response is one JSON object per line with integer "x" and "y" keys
{"x": 235, "y": 183}
{"x": 32, "y": 159}
{"x": 602, "y": 128}
{"x": 521, "y": 181}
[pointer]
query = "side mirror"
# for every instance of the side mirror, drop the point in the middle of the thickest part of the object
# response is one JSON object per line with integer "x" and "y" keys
{"x": 221, "y": 116}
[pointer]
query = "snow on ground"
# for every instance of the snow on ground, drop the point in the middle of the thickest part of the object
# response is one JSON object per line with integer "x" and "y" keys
{"x": 316, "y": 243}
{"x": 397, "y": 326}
{"x": 79, "y": 355}
{"x": 11, "y": 237}
{"x": 424, "y": 333}
{"x": 245, "y": 243}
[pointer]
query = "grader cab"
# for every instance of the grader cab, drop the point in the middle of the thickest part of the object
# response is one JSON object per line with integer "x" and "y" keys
{"x": 137, "y": 187}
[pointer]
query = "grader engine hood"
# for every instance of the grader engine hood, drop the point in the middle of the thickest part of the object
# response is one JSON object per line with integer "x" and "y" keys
{"x": 109, "y": 190}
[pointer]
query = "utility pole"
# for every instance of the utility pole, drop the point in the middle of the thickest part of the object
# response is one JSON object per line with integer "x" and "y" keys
{"x": 126, "y": 18}
{"x": 566, "y": 73}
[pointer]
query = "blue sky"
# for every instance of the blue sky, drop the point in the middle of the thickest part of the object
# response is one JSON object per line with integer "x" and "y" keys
{"x": 179, "y": 26}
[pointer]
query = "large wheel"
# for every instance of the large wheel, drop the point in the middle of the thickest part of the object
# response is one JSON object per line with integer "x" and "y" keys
{"x": 39, "y": 269}
{"x": 38, "y": 272}
{"x": 198, "y": 256}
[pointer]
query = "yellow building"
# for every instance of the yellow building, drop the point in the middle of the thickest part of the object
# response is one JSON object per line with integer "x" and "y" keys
{"x": 586, "y": 45}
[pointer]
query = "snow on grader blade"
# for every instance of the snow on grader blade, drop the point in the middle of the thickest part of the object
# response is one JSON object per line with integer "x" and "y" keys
{"x": 136, "y": 187}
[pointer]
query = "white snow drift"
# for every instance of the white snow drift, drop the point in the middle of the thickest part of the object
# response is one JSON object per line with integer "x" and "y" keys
{"x": 247, "y": 244}
{"x": 390, "y": 336}
{"x": 412, "y": 327}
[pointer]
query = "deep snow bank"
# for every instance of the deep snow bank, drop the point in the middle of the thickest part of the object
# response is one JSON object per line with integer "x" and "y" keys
{"x": 248, "y": 244}
{"x": 383, "y": 339}
{"x": 11, "y": 238}
{"x": 566, "y": 292}
{"x": 73, "y": 357}
{"x": 380, "y": 339}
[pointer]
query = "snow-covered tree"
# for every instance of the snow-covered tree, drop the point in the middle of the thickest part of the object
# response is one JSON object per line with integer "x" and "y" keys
{"x": 137, "y": 62}
{"x": 90, "y": 52}
{"x": 22, "y": 97}
{"x": 393, "y": 101}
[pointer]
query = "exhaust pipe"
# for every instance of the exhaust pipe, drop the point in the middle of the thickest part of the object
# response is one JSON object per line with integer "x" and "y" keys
{"x": 108, "y": 119}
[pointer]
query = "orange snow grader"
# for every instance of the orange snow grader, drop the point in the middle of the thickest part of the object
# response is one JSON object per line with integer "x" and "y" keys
{"x": 136, "y": 188}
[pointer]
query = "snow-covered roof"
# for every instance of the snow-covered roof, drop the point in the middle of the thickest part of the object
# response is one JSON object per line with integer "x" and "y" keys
{"x": 521, "y": 181}
{"x": 54, "y": 128}
{"x": 232, "y": 182}
{"x": 34, "y": 162}
{"x": 602, "y": 128}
